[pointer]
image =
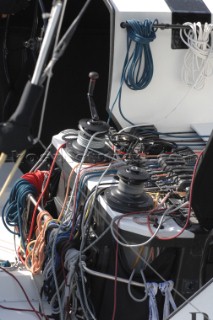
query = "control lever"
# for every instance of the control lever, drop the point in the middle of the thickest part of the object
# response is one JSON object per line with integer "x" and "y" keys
{"x": 94, "y": 124}
{"x": 94, "y": 129}
{"x": 93, "y": 77}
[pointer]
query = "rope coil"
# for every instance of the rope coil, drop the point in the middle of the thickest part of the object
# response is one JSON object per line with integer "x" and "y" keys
{"x": 198, "y": 59}
{"x": 96, "y": 143}
{"x": 35, "y": 249}
{"x": 15, "y": 205}
{"x": 138, "y": 69}
{"x": 14, "y": 208}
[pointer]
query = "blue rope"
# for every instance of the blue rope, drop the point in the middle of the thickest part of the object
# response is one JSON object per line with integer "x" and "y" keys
{"x": 15, "y": 205}
{"x": 84, "y": 178}
{"x": 138, "y": 67}
{"x": 139, "y": 64}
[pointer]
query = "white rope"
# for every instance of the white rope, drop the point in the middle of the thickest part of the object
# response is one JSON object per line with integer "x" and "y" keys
{"x": 198, "y": 58}
{"x": 152, "y": 289}
{"x": 70, "y": 261}
{"x": 166, "y": 288}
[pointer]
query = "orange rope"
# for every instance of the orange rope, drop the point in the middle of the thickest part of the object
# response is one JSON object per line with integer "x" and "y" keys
{"x": 35, "y": 249}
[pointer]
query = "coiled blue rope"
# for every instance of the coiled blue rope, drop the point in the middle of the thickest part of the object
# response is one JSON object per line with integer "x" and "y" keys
{"x": 138, "y": 67}
{"x": 15, "y": 205}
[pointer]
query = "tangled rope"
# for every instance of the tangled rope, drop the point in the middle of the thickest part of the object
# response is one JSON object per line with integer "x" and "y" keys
{"x": 14, "y": 208}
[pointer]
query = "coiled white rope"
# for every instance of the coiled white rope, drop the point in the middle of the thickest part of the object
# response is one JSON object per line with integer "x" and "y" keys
{"x": 198, "y": 58}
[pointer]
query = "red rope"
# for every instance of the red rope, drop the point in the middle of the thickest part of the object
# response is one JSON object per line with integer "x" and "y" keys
{"x": 36, "y": 179}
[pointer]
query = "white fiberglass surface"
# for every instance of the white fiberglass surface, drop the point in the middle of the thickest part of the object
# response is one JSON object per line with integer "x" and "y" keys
{"x": 7, "y": 251}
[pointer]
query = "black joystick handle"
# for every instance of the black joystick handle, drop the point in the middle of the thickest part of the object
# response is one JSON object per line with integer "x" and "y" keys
{"x": 93, "y": 77}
